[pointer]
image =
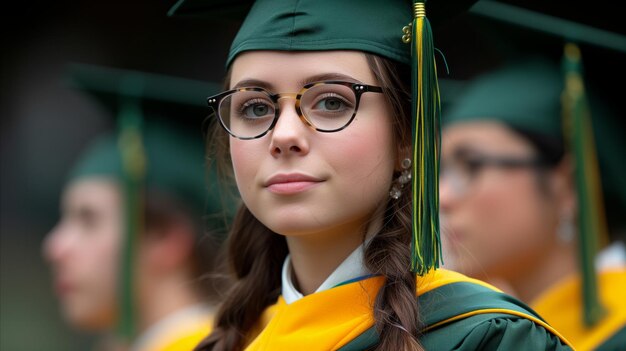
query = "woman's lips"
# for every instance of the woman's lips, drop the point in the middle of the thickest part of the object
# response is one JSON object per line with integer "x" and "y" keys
{"x": 287, "y": 184}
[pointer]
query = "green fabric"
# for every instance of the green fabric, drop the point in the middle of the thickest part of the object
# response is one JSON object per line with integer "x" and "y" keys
{"x": 490, "y": 331}
{"x": 291, "y": 25}
{"x": 559, "y": 27}
{"x": 172, "y": 136}
{"x": 100, "y": 158}
{"x": 462, "y": 297}
{"x": 133, "y": 161}
{"x": 524, "y": 94}
{"x": 175, "y": 162}
{"x": 617, "y": 342}
{"x": 109, "y": 84}
{"x": 325, "y": 25}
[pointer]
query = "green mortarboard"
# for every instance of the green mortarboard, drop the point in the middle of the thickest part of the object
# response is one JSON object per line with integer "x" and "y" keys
{"x": 398, "y": 30}
{"x": 158, "y": 147}
{"x": 171, "y": 129}
{"x": 525, "y": 94}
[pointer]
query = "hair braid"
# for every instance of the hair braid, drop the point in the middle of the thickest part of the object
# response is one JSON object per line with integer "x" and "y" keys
{"x": 256, "y": 255}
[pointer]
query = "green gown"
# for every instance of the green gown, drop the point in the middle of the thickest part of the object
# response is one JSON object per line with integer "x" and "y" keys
{"x": 457, "y": 313}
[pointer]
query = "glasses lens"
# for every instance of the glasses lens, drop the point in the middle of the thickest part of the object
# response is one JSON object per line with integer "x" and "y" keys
{"x": 328, "y": 107}
{"x": 247, "y": 113}
{"x": 455, "y": 176}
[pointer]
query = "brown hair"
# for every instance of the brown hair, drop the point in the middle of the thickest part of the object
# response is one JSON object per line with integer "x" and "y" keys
{"x": 163, "y": 211}
{"x": 256, "y": 254}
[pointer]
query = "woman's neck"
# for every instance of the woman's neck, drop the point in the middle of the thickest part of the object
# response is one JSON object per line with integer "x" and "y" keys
{"x": 315, "y": 256}
{"x": 558, "y": 264}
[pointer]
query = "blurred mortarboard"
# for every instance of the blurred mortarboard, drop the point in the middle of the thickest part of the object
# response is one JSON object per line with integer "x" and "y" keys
{"x": 171, "y": 126}
{"x": 399, "y": 30}
{"x": 559, "y": 23}
{"x": 158, "y": 146}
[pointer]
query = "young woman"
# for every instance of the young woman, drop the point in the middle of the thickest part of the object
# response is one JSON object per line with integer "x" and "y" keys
{"x": 316, "y": 124}
{"x": 510, "y": 204}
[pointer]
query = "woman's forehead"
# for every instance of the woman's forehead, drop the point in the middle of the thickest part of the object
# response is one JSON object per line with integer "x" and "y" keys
{"x": 282, "y": 68}
{"x": 483, "y": 135}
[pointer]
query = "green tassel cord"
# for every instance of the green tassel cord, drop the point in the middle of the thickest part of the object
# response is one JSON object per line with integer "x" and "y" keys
{"x": 425, "y": 246}
{"x": 591, "y": 222}
{"x": 134, "y": 164}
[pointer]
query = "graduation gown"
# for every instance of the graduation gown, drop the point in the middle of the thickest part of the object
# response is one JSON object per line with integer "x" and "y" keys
{"x": 458, "y": 313}
{"x": 181, "y": 331}
{"x": 561, "y": 306}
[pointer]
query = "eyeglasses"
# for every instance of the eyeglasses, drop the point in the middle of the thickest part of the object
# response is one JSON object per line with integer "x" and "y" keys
{"x": 251, "y": 112}
{"x": 464, "y": 167}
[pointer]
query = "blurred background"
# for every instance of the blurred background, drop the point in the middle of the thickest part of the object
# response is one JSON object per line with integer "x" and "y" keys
{"x": 44, "y": 124}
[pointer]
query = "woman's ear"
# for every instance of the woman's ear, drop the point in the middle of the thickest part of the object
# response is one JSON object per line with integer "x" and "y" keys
{"x": 169, "y": 247}
{"x": 563, "y": 187}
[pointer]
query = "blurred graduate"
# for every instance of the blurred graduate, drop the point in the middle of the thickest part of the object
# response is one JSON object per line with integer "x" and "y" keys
{"x": 532, "y": 163}
{"x": 141, "y": 217}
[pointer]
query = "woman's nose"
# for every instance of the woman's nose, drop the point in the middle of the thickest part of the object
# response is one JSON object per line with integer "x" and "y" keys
{"x": 290, "y": 135}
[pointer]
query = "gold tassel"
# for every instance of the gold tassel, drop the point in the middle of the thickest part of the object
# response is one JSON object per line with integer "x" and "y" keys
{"x": 426, "y": 111}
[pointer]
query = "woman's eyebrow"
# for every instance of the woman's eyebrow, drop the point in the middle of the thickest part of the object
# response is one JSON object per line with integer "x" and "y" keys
{"x": 250, "y": 82}
{"x": 246, "y": 83}
{"x": 464, "y": 150}
{"x": 328, "y": 76}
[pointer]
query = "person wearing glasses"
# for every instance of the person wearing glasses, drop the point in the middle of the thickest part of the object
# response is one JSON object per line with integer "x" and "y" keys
{"x": 316, "y": 125}
{"x": 511, "y": 207}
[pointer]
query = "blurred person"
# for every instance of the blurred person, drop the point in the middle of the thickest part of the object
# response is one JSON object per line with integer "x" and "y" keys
{"x": 158, "y": 293}
{"x": 513, "y": 200}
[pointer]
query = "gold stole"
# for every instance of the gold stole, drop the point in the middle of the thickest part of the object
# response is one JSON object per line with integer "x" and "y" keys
{"x": 332, "y": 318}
{"x": 561, "y": 306}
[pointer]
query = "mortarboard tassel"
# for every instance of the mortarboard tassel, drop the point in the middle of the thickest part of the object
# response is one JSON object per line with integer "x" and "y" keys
{"x": 425, "y": 246}
{"x": 134, "y": 167}
{"x": 591, "y": 222}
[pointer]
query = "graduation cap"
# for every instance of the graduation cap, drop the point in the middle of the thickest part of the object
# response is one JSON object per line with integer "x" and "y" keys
{"x": 399, "y": 30}
{"x": 158, "y": 146}
{"x": 552, "y": 25}
{"x": 538, "y": 96}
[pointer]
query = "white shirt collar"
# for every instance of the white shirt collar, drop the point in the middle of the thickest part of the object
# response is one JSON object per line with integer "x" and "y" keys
{"x": 145, "y": 341}
{"x": 613, "y": 256}
{"x": 352, "y": 267}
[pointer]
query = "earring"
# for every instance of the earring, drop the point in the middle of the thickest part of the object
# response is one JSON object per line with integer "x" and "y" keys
{"x": 404, "y": 178}
{"x": 566, "y": 230}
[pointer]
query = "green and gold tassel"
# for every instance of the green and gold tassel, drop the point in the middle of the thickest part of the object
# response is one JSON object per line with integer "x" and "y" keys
{"x": 578, "y": 132}
{"x": 425, "y": 246}
{"x": 134, "y": 168}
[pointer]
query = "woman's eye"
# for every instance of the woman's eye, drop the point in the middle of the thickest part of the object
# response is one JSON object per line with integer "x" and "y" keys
{"x": 256, "y": 109}
{"x": 473, "y": 166}
{"x": 331, "y": 103}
